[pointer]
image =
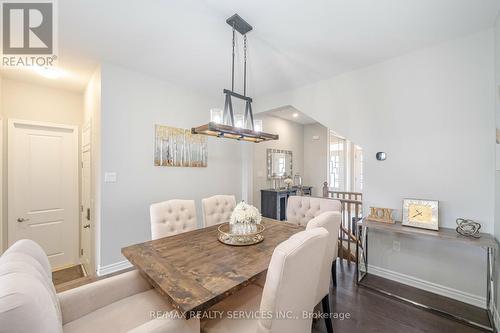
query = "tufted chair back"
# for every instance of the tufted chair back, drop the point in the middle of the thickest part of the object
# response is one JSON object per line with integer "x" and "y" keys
{"x": 172, "y": 217}
{"x": 292, "y": 280}
{"x": 217, "y": 209}
{"x": 300, "y": 210}
{"x": 331, "y": 222}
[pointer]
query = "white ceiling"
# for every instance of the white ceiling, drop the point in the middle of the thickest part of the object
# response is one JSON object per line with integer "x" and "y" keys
{"x": 294, "y": 42}
{"x": 287, "y": 112}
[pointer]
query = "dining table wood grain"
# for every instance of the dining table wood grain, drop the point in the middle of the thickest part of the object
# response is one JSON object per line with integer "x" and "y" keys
{"x": 194, "y": 270}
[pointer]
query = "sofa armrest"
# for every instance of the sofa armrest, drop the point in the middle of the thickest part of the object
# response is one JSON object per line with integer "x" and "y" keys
{"x": 173, "y": 324}
{"x": 83, "y": 300}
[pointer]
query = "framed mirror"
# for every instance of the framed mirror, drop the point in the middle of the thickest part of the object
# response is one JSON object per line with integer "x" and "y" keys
{"x": 279, "y": 164}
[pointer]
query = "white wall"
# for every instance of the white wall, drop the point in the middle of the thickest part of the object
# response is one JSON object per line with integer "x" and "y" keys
{"x": 432, "y": 112}
{"x": 28, "y": 101}
{"x": 291, "y": 138}
{"x": 315, "y": 157}
{"x": 132, "y": 103}
{"x": 92, "y": 97}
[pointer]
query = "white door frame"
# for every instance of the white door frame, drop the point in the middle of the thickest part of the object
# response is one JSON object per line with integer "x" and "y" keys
{"x": 93, "y": 230}
{"x": 2, "y": 157}
{"x": 10, "y": 190}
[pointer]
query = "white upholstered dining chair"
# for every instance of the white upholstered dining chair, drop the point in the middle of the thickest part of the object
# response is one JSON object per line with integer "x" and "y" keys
{"x": 300, "y": 210}
{"x": 172, "y": 217}
{"x": 122, "y": 303}
{"x": 296, "y": 260}
{"x": 331, "y": 222}
{"x": 217, "y": 209}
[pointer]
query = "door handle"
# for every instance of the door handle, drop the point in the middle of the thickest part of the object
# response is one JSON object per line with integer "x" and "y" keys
{"x": 88, "y": 214}
{"x": 22, "y": 219}
{"x": 86, "y": 226}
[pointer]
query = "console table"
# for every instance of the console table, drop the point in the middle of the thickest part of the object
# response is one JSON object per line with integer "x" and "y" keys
{"x": 486, "y": 241}
{"x": 273, "y": 201}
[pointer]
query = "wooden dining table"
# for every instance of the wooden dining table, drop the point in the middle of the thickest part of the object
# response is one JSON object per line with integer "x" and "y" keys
{"x": 194, "y": 270}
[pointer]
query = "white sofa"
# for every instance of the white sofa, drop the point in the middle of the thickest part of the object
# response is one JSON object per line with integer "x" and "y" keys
{"x": 122, "y": 303}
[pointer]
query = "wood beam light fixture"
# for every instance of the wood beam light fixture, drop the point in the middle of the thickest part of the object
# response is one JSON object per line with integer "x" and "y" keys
{"x": 225, "y": 126}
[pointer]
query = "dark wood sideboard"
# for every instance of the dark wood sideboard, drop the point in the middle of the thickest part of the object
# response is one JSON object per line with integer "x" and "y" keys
{"x": 273, "y": 202}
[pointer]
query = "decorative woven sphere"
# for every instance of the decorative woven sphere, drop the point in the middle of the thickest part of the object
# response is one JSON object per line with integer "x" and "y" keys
{"x": 468, "y": 228}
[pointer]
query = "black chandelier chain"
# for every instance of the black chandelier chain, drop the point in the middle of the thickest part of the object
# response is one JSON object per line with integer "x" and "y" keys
{"x": 245, "y": 47}
{"x": 232, "y": 65}
{"x": 245, "y": 43}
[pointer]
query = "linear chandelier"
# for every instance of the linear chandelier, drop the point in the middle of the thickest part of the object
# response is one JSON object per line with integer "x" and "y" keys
{"x": 226, "y": 128}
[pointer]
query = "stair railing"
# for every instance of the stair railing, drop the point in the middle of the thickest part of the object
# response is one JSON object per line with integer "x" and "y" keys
{"x": 351, "y": 212}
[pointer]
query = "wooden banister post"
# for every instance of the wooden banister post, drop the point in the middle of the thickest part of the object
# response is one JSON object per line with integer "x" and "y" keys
{"x": 325, "y": 190}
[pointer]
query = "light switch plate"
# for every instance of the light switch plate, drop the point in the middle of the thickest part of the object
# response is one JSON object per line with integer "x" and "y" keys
{"x": 110, "y": 177}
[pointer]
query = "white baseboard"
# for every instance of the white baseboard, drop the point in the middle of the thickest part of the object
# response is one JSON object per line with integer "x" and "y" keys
{"x": 117, "y": 266}
{"x": 496, "y": 317}
{"x": 435, "y": 288}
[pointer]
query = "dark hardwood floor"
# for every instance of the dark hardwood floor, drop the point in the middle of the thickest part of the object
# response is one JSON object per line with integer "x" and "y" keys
{"x": 371, "y": 311}
{"x": 78, "y": 282}
{"x": 368, "y": 310}
{"x": 67, "y": 274}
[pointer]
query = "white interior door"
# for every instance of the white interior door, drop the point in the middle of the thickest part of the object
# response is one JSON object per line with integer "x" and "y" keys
{"x": 86, "y": 226}
{"x": 43, "y": 188}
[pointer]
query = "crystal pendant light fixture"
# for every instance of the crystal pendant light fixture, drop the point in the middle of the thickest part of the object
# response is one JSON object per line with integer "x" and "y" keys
{"x": 224, "y": 123}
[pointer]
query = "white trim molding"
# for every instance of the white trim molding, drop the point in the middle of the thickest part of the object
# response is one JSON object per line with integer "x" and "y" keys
{"x": 3, "y": 227}
{"x": 117, "y": 266}
{"x": 496, "y": 317}
{"x": 435, "y": 288}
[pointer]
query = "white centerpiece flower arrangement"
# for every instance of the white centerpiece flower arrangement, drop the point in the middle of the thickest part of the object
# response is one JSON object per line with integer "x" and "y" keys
{"x": 244, "y": 219}
{"x": 288, "y": 182}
